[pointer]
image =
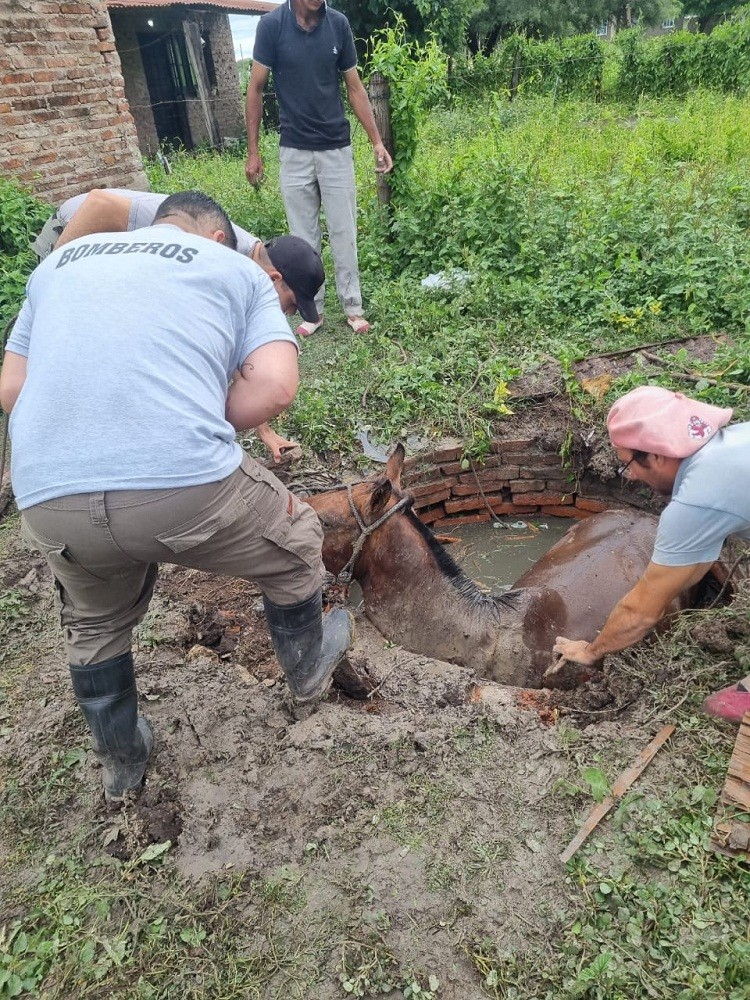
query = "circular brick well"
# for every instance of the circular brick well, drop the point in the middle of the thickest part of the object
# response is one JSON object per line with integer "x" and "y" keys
{"x": 517, "y": 477}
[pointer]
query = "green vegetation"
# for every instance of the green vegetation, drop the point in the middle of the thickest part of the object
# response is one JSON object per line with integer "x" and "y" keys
{"x": 21, "y": 217}
{"x": 582, "y": 228}
{"x": 628, "y": 67}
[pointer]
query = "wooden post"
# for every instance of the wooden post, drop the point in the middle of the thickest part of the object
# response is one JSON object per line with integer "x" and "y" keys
{"x": 195, "y": 56}
{"x": 380, "y": 94}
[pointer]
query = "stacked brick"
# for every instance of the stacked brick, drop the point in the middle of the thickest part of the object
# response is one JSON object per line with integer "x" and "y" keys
{"x": 64, "y": 121}
{"x": 517, "y": 477}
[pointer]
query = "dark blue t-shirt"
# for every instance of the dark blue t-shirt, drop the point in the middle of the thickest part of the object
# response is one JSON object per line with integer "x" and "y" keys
{"x": 306, "y": 67}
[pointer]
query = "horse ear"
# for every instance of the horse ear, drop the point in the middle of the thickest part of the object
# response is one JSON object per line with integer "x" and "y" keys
{"x": 395, "y": 465}
{"x": 381, "y": 494}
{"x": 385, "y": 484}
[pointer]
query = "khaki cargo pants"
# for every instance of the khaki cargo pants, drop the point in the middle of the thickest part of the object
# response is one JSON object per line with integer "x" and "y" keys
{"x": 104, "y": 549}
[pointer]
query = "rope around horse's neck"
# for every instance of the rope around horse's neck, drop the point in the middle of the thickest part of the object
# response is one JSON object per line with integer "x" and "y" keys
{"x": 365, "y": 530}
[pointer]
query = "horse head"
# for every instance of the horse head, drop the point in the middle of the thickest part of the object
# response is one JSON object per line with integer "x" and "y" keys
{"x": 350, "y": 514}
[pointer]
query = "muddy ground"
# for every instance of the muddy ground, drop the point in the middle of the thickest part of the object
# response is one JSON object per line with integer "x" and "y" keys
{"x": 415, "y": 814}
{"x": 417, "y": 818}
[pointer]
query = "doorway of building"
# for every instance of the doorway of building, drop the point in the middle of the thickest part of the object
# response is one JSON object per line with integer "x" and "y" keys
{"x": 171, "y": 83}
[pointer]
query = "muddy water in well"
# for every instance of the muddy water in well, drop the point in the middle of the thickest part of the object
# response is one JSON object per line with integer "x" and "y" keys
{"x": 497, "y": 554}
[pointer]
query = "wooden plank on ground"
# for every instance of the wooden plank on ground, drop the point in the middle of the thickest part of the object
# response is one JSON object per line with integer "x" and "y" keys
{"x": 731, "y": 836}
{"x": 621, "y": 785}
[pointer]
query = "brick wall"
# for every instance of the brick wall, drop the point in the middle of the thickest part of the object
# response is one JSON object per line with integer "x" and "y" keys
{"x": 64, "y": 121}
{"x": 518, "y": 477}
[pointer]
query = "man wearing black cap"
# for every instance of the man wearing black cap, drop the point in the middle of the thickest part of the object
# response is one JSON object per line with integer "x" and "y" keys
{"x": 295, "y": 269}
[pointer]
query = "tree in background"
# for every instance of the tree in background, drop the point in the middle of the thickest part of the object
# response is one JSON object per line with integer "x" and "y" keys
{"x": 482, "y": 23}
{"x": 711, "y": 10}
{"x": 500, "y": 18}
{"x": 448, "y": 22}
{"x": 556, "y": 18}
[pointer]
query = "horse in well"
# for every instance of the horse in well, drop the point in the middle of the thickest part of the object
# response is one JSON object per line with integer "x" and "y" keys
{"x": 417, "y": 596}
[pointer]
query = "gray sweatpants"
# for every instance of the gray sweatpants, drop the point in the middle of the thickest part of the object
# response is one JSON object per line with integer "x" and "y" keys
{"x": 308, "y": 178}
{"x": 104, "y": 549}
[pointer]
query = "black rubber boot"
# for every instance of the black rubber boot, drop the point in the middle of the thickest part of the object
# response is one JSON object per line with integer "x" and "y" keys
{"x": 308, "y": 646}
{"x": 122, "y": 740}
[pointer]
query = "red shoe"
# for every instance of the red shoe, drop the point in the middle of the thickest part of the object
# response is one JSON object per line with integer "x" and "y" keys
{"x": 730, "y": 703}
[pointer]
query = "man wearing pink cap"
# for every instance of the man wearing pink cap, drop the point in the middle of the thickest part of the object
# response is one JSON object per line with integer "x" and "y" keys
{"x": 683, "y": 450}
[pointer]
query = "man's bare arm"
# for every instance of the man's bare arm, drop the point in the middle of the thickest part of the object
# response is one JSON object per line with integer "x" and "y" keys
{"x": 275, "y": 443}
{"x": 636, "y": 614}
{"x": 100, "y": 212}
{"x": 266, "y": 385}
{"x": 253, "y": 116}
{"x": 362, "y": 108}
{"x": 12, "y": 378}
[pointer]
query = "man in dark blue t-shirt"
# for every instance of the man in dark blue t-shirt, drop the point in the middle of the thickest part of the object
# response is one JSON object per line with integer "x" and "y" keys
{"x": 307, "y": 45}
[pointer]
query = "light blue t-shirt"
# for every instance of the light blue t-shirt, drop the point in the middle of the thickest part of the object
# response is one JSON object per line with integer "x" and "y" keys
{"x": 131, "y": 341}
{"x": 710, "y": 501}
{"x": 143, "y": 207}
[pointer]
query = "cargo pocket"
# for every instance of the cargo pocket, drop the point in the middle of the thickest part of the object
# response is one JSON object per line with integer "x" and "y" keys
{"x": 205, "y": 525}
{"x": 61, "y": 560}
{"x": 282, "y": 518}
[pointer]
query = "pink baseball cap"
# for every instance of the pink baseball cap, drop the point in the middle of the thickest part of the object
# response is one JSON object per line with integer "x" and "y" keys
{"x": 662, "y": 422}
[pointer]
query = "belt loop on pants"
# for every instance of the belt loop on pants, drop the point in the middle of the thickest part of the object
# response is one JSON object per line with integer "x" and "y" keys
{"x": 97, "y": 510}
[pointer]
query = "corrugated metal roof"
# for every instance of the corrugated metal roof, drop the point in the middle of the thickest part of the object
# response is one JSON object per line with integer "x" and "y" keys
{"x": 244, "y": 6}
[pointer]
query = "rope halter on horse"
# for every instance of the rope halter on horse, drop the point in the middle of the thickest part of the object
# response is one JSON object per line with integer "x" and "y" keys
{"x": 344, "y": 576}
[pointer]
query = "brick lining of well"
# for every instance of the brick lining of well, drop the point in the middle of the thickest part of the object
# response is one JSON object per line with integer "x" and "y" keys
{"x": 517, "y": 477}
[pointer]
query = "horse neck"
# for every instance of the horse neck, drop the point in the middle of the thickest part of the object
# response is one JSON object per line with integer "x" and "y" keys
{"x": 404, "y": 572}
{"x": 418, "y": 597}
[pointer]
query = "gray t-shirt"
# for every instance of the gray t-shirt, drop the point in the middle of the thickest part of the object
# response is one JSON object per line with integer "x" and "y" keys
{"x": 131, "y": 340}
{"x": 710, "y": 501}
{"x": 306, "y": 66}
{"x": 143, "y": 208}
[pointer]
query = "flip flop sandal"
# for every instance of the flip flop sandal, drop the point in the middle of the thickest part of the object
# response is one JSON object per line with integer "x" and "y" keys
{"x": 359, "y": 324}
{"x": 308, "y": 329}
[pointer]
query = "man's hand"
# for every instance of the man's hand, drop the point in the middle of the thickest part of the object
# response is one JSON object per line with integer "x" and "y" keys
{"x": 576, "y": 650}
{"x": 276, "y": 444}
{"x": 383, "y": 161}
{"x": 254, "y": 169}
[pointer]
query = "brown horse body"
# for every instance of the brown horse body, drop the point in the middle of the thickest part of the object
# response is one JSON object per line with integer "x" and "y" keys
{"x": 417, "y": 596}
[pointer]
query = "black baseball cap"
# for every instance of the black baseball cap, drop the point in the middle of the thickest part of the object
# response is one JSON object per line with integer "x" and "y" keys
{"x": 301, "y": 268}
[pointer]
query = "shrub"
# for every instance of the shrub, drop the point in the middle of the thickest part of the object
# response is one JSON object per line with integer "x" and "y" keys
{"x": 21, "y": 218}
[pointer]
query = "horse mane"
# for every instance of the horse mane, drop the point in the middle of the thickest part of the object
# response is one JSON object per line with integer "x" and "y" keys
{"x": 466, "y": 587}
